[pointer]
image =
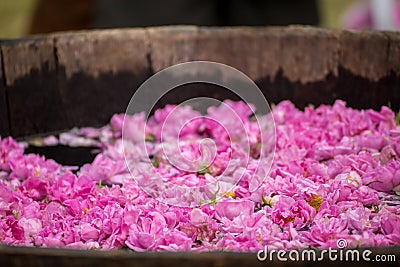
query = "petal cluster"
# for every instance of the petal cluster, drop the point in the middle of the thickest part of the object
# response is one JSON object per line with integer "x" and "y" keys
{"x": 335, "y": 174}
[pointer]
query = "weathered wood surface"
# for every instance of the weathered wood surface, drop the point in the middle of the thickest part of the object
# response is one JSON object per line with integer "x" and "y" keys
{"x": 99, "y": 71}
{"x": 4, "y": 119}
{"x": 258, "y": 52}
{"x": 34, "y": 99}
{"x": 55, "y": 82}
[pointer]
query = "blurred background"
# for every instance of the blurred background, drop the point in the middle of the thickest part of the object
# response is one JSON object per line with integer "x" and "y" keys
{"x": 22, "y": 17}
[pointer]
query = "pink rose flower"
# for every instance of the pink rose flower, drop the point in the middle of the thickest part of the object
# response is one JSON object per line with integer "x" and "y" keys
{"x": 384, "y": 178}
{"x": 233, "y": 208}
{"x": 287, "y": 211}
{"x": 390, "y": 227}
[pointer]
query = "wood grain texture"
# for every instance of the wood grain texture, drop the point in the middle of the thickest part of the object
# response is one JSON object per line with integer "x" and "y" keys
{"x": 31, "y": 82}
{"x": 394, "y": 52}
{"x": 99, "y": 71}
{"x": 240, "y": 47}
{"x": 4, "y": 119}
{"x": 365, "y": 53}
{"x": 304, "y": 54}
{"x": 308, "y": 54}
{"x": 171, "y": 45}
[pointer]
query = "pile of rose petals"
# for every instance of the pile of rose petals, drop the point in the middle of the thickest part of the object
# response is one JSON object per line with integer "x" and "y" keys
{"x": 335, "y": 174}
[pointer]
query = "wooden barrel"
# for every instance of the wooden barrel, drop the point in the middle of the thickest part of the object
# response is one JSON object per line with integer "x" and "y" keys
{"x": 54, "y": 82}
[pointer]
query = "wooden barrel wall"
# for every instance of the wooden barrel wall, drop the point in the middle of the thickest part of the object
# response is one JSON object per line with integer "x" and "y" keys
{"x": 55, "y": 82}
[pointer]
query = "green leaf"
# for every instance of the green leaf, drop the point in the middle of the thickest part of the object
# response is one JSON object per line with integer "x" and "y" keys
{"x": 150, "y": 138}
{"x": 214, "y": 197}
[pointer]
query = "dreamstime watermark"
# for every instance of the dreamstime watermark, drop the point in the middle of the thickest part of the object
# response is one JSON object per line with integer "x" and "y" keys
{"x": 157, "y": 184}
{"x": 330, "y": 254}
